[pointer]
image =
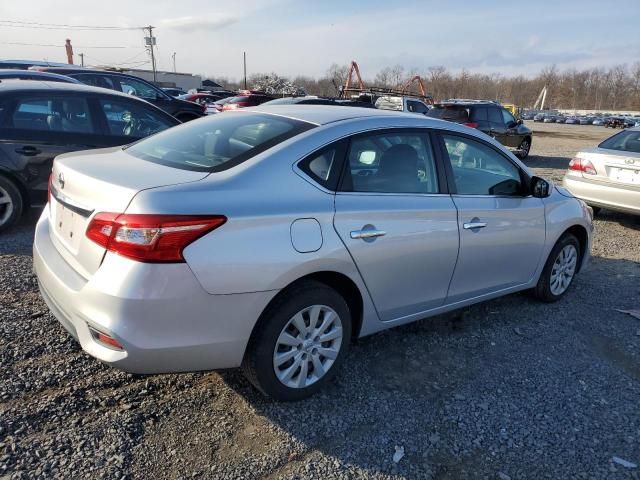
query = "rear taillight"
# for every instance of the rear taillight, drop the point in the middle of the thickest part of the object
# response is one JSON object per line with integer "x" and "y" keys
{"x": 49, "y": 189}
{"x": 232, "y": 106}
{"x": 471, "y": 124}
{"x": 150, "y": 238}
{"x": 582, "y": 165}
{"x": 106, "y": 340}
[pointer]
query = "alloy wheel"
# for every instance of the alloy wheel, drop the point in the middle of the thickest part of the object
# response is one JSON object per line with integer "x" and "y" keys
{"x": 563, "y": 270}
{"x": 307, "y": 346}
{"x": 6, "y": 206}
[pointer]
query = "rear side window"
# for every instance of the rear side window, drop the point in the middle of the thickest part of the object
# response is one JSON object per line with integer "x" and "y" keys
{"x": 324, "y": 166}
{"x": 61, "y": 114}
{"x": 453, "y": 114}
{"x": 393, "y": 162}
{"x": 130, "y": 120}
{"x": 219, "y": 142}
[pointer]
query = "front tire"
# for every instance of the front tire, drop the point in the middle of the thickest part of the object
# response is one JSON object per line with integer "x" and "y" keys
{"x": 299, "y": 343}
{"x": 11, "y": 203}
{"x": 559, "y": 270}
{"x": 524, "y": 148}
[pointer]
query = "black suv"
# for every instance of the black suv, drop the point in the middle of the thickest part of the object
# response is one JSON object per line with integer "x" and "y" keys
{"x": 121, "y": 82}
{"x": 491, "y": 118}
{"x": 40, "y": 120}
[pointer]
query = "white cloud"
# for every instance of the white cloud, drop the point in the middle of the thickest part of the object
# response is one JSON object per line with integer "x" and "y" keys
{"x": 198, "y": 24}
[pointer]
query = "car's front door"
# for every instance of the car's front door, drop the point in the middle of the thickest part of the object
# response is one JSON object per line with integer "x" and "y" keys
{"x": 513, "y": 137}
{"x": 395, "y": 218}
{"x": 502, "y": 227}
{"x": 37, "y": 128}
{"x": 497, "y": 128}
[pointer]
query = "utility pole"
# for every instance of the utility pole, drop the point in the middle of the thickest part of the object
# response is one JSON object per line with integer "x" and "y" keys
{"x": 244, "y": 57}
{"x": 151, "y": 42}
{"x": 81, "y": 59}
{"x": 174, "y": 61}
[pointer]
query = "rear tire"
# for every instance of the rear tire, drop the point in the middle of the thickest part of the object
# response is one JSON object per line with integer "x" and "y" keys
{"x": 559, "y": 270}
{"x": 11, "y": 203}
{"x": 596, "y": 210}
{"x": 277, "y": 336}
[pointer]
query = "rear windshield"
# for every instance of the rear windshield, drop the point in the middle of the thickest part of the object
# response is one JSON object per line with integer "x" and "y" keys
{"x": 453, "y": 114}
{"x": 626, "y": 141}
{"x": 217, "y": 143}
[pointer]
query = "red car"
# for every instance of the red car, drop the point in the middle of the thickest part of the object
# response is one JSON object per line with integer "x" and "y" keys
{"x": 246, "y": 98}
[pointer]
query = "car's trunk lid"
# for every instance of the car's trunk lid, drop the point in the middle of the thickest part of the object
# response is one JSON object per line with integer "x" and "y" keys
{"x": 614, "y": 166}
{"x": 86, "y": 183}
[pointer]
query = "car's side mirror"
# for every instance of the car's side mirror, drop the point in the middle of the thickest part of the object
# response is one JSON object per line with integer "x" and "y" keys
{"x": 539, "y": 187}
{"x": 512, "y": 124}
{"x": 519, "y": 122}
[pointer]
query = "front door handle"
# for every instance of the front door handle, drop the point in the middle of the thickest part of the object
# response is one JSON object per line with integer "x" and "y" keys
{"x": 364, "y": 234}
{"x": 473, "y": 225}
{"x": 28, "y": 150}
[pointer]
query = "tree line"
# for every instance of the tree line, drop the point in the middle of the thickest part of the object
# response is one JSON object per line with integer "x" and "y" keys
{"x": 615, "y": 88}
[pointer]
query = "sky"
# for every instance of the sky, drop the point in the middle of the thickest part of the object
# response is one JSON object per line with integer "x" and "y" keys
{"x": 300, "y": 37}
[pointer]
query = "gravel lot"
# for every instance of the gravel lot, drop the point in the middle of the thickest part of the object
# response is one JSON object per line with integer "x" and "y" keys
{"x": 507, "y": 389}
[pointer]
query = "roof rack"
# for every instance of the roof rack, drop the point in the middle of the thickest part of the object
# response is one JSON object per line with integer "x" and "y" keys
{"x": 371, "y": 94}
{"x": 469, "y": 100}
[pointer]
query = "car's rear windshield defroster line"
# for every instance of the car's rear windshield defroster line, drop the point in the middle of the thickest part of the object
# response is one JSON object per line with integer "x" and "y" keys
{"x": 217, "y": 143}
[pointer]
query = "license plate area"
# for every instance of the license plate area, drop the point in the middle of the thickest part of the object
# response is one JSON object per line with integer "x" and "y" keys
{"x": 68, "y": 226}
{"x": 625, "y": 175}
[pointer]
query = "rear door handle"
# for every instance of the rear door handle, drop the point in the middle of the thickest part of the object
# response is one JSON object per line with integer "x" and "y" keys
{"x": 28, "y": 150}
{"x": 472, "y": 225}
{"x": 355, "y": 234}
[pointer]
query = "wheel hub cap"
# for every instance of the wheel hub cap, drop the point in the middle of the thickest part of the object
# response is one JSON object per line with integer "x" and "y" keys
{"x": 563, "y": 270}
{"x": 308, "y": 346}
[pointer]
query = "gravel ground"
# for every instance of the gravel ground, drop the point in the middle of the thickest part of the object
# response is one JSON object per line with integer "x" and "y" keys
{"x": 511, "y": 388}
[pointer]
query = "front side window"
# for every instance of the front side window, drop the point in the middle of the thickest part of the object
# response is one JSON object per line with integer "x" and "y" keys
{"x": 137, "y": 88}
{"x": 125, "y": 118}
{"x": 218, "y": 142}
{"x": 417, "y": 107}
{"x": 62, "y": 114}
{"x": 495, "y": 117}
{"x": 508, "y": 119}
{"x": 480, "y": 170}
{"x": 394, "y": 162}
{"x": 102, "y": 81}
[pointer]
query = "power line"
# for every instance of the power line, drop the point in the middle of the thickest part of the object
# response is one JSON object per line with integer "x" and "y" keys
{"x": 59, "y": 26}
{"x": 62, "y": 45}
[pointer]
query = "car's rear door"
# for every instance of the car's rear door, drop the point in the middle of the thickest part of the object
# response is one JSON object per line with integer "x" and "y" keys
{"x": 502, "y": 227}
{"x": 37, "y": 127}
{"x": 396, "y": 219}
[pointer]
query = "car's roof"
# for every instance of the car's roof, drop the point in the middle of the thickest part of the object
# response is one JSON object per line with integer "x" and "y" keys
{"x": 324, "y": 114}
{"x": 16, "y": 72}
{"x": 11, "y": 85}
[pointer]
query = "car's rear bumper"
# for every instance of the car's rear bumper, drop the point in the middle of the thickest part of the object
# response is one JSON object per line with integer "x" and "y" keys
{"x": 606, "y": 195}
{"x": 159, "y": 313}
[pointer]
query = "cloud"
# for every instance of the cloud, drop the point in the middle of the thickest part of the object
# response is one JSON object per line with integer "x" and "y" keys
{"x": 198, "y": 24}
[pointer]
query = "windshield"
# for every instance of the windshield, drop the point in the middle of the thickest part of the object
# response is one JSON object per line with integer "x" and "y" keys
{"x": 217, "y": 143}
{"x": 626, "y": 141}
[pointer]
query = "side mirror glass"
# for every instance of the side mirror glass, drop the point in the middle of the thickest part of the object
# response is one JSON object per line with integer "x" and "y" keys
{"x": 520, "y": 122}
{"x": 540, "y": 188}
{"x": 512, "y": 124}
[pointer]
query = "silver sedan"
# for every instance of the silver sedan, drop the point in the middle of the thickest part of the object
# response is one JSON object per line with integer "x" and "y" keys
{"x": 608, "y": 175}
{"x": 269, "y": 238}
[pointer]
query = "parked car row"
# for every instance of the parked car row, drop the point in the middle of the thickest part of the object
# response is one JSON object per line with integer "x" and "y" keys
{"x": 40, "y": 120}
{"x": 607, "y": 121}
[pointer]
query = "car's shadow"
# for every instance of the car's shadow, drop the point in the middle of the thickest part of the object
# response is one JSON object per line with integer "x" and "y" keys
{"x": 427, "y": 386}
{"x": 541, "y": 161}
{"x": 18, "y": 240}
